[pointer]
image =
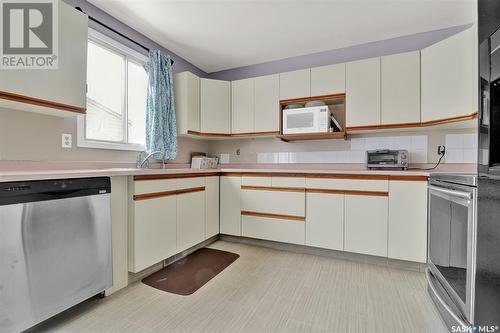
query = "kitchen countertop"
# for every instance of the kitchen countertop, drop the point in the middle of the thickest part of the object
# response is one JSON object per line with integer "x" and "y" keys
{"x": 25, "y": 174}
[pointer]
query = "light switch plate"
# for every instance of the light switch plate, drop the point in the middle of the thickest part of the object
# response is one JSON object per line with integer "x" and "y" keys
{"x": 67, "y": 140}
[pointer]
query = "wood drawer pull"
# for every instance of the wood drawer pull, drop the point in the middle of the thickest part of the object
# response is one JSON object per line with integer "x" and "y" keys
{"x": 349, "y": 192}
{"x": 173, "y": 176}
{"x": 145, "y": 196}
{"x": 274, "y": 216}
{"x": 277, "y": 189}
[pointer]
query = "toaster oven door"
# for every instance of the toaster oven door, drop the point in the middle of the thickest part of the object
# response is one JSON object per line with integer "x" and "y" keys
{"x": 383, "y": 158}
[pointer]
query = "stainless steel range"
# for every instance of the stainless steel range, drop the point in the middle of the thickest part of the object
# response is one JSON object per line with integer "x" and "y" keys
{"x": 452, "y": 246}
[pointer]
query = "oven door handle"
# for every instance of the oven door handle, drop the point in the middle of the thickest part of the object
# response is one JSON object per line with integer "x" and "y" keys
{"x": 440, "y": 300}
{"x": 454, "y": 193}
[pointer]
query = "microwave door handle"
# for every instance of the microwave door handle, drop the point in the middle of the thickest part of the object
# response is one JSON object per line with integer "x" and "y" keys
{"x": 452, "y": 193}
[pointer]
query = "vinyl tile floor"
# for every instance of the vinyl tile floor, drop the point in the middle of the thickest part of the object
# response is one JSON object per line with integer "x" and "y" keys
{"x": 268, "y": 290}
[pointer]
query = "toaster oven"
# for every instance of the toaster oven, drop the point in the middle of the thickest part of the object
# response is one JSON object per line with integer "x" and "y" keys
{"x": 387, "y": 158}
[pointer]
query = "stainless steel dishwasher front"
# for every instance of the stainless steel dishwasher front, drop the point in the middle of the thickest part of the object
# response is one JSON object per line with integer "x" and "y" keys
{"x": 55, "y": 247}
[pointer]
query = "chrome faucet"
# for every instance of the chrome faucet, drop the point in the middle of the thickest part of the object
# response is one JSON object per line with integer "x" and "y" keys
{"x": 144, "y": 162}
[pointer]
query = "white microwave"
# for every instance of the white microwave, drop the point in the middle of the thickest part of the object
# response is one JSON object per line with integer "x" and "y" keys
{"x": 314, "y": 119}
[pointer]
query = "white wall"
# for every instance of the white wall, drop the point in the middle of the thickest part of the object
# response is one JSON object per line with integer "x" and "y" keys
{"x": 35, "y": 137}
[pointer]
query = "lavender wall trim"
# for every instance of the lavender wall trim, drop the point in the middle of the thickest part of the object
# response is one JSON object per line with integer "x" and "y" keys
{"x": 180, "y": 65}
{"x": 362, "y": 51}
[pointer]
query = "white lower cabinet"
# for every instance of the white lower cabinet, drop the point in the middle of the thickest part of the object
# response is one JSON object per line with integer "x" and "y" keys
{"x": 190, "y": 219}
{"x": 230, "y": 205}
{"x": 366, "y": 224}
{"x": 408, "y": 220}
{"x": 325, "y": 220}
{"x": 168, "y": 216}
{"x": 211, "y": 206}
{"x": 273, "y": 202}
{"x": 153, "y": 234}
{"x": 279, "y": 230}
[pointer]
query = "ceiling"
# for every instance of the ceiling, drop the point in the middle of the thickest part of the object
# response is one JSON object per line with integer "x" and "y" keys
{"x": 215, "y": 35}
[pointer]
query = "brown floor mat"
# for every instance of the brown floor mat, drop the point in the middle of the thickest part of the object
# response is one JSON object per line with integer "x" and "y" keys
{"x": 188, "y": 274}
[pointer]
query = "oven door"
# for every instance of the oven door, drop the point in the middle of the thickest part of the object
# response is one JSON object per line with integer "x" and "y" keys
{"x": 451, "y": 242}
{"x": 300, "y": 121}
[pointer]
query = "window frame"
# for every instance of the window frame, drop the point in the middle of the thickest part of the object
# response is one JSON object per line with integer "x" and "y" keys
{"x": 129, "y": 55}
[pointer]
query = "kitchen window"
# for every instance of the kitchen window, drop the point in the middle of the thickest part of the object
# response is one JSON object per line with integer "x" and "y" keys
{"x": 116, "y": 96}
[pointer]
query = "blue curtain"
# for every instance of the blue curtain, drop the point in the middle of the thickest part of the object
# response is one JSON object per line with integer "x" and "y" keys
{"x": 161, "y": 128}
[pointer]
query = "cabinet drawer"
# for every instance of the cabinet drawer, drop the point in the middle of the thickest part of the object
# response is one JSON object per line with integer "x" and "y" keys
{"x": 256, "y": 181}
{"x": 273, "y": 202}
{"x": 299, "y": 182}
{"x": 183, "y": 183}
{"x": 274, "y": 229}
{"x": 348, "y": 184}
{"x": 153, "y": 186}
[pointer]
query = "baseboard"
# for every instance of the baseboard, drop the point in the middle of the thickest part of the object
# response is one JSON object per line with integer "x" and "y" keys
{"x": 349, "y": 256}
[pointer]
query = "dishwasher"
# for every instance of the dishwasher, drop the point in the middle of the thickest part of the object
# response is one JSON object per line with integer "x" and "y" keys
{"x": 55, "y": 247}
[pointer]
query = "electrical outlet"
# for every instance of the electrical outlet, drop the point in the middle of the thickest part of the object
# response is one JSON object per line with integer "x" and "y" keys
{"x": 441, "y": 150}
{"x": 67, "y": 140}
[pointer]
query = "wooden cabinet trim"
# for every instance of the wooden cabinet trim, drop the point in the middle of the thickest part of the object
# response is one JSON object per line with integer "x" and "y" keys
{"x": 349, "y": 192}
{"x": 348, "y": 176}
{"x": 154, "y": 195}
{"x": 269, "y": 188}
{"x": 421, "y": 124}
{"x": 179, "y": 175}
{"x": 236, "y": 135}
{"x": 274, "y": 216}
{"x": 41, "y": 102}
{"x": 409, "y": 178}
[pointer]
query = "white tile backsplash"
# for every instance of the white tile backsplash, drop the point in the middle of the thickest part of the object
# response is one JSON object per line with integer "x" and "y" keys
{"x": 416, "y": 146}
{"x": 461, "y": 148}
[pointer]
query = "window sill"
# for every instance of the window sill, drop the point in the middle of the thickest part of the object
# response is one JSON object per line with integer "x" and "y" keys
{"x": 109, "y": 145}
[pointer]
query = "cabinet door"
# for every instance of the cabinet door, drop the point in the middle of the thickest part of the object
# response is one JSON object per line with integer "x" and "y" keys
{"x": 230, "y": 206}
{"x": 153, "y": 232}
{"x": 267, "y": 98}
{"x": 363, "y": 92}
{"x": 327, "y": 80}
{"x": 325, "y": 220}
{"x": 295, "y": 84}
{"x": 187, "y": 102}
{"x": 275, "y": 229}
{"x": 215, "y": 106}
{"x": 242, "y": 110}
{"x": 190, "y": 219}
{"x": 401, "y": 88}
{"x": 212, "y": 206}
{"x": 449, "y": 77}
{"x": 366, "y": 224}
{"x": 408, "y": 220}
{"x": 67, "y": 84}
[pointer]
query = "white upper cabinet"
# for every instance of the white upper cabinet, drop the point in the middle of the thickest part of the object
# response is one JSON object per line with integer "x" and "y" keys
{"x": 65, "y": 85}
{"x": 187, "y": 102}
{"x": 328, "y": 80}
{"x": 267, "y": 98}
{"x": 295, "y": 84}
{"x": 449, "y": 77}
{"x": 215, "y": 106}
{"x": 401, "y": 88}
{"x": 363, "y": 92}
{"x": 242, "y": 100}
